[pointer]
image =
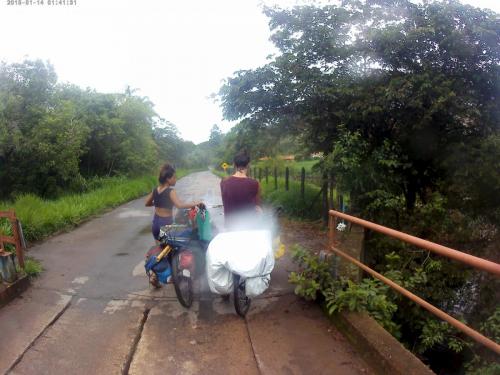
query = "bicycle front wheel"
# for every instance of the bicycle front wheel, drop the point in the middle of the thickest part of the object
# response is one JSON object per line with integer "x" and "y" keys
{"x": 241, "y": 301}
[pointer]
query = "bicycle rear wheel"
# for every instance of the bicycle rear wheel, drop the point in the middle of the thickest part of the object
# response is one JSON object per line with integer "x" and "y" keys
{"x": 182, "y": 284}
{"x": 241, "y": 301}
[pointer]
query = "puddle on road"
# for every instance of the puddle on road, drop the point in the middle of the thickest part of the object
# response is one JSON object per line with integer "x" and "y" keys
{"x": 206, "y": 311}
{"x": 145, "y": 230}
{"x": 223, "y": 307}
{"x": 175, "y": 311}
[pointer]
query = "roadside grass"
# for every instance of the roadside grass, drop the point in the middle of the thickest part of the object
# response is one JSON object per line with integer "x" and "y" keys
{"x": 41, "y": 217}
{"x": 307, "y": 164}
{"x": 291, "y": 201}
{"x": 221, "y": 174}
{"x": 32, "y": 267}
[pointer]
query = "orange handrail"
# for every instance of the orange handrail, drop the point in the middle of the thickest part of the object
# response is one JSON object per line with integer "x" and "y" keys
{"x": 15, "y": 239}
{"x": 431, "y": 246}
{"x": 471, "y": 260}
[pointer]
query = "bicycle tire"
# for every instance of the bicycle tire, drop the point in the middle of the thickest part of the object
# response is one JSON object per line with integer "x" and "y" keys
{"x": 241, "y": 301}
{"x": 182, "y": 284}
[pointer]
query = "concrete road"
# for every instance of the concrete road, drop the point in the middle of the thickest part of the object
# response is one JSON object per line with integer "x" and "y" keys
{"x": 93, "y": 312}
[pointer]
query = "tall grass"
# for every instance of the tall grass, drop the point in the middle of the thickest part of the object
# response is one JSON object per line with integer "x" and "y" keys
{"x": 307, "y": 164}
{"x": 41, "y": 218}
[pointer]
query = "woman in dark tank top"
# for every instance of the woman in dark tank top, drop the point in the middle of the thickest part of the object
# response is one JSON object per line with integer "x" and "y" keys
{"x": 164, "y": 198}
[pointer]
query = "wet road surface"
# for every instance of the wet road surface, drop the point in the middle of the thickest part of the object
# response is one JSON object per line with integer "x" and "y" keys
{"x": 93, "y": 312}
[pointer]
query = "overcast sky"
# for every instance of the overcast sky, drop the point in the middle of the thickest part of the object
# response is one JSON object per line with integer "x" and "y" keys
{"x": 176, "y": 52}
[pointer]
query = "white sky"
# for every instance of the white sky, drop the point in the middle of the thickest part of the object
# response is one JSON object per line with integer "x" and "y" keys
{"x": 175, "y": 52}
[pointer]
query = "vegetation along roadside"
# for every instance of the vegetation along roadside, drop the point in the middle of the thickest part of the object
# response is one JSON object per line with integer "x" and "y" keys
{"x": 43, "y": 217}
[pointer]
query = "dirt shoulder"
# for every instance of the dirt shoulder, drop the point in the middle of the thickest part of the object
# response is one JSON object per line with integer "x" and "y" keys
{"x": 308, "y": 234}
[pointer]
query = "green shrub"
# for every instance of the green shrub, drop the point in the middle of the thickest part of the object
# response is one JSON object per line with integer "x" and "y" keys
{"x": 315, "y": 279}
{"x": 485, "y": 362}
{"x": 32, "y": 267}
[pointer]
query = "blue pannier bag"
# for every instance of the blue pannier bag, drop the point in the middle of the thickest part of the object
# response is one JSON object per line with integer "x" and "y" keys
{"x": 162, "y": 268}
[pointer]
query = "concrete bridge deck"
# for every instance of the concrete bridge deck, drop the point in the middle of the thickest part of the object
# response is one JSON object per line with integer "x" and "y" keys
{"x": 93, "y": 312}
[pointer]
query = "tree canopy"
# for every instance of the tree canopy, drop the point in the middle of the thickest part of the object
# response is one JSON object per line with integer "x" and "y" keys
{"x": 404, "y": 101}
{"x": 55, "y": 136}
{"x": 389, "y": 89}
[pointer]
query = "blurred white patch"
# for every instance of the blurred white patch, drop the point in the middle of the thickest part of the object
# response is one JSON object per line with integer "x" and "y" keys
{"x": 139, "y": 269}
{"x": 133, "y": 213}
{"x": 115, "y": 305}
{"x": 138, "y": 304}
{"x": 80, "y": 280}
{"x": 189, "y": 367}
{"x": 63, "y": 299}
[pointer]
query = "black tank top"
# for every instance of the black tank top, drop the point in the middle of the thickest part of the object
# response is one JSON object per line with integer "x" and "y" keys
{"x": 162, "y": 200}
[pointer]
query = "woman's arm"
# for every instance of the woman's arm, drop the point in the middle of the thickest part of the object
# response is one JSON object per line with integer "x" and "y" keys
{"x": 177, "y": 203}
{"x": 149, "y": 200}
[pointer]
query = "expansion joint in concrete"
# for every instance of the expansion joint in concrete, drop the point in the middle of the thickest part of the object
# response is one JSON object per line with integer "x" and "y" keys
{"x": 255, "y": 355}
{"x": 135, "y": 343}
{"x": 44, "y": 330}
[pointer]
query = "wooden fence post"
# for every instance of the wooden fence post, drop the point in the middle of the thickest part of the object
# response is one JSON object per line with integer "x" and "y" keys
{"x": 255, "y": 172}
{"x": 302, "y": 182}
{"x": 332, "y": 183}
{"x": 325, "y": 198}
{"x": 287, "y": 176}
{"x": 267, "y": 175}
{"x": 260, "y": 174}
{"x": 275, "y": 178}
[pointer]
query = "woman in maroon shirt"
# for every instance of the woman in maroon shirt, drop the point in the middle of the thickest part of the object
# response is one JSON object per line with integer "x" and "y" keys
{"x": 240, "y": 194}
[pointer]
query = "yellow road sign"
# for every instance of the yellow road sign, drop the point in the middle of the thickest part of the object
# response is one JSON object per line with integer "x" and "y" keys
{"x": 224, "y": 165}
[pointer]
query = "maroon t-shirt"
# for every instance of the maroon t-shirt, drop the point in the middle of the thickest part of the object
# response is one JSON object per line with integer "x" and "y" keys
{"x": 239, "y": 194}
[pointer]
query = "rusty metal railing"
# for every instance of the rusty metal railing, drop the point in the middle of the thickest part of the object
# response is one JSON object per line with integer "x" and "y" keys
{"x": 16, "y": 238}
{"x": 471, "y": 260}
